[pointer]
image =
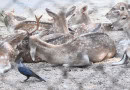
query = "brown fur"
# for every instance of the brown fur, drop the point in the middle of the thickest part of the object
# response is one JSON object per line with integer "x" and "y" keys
{"x": 29, "y": 25}
{"x": 60, "y": 22}
{"x": 96, "y": 46}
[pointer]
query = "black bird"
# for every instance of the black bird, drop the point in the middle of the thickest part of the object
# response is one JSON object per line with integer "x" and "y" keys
{"x": 25, "y": 70}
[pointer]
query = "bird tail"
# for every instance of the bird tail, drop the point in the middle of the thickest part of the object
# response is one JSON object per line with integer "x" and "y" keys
{"x": 38, "y": 77}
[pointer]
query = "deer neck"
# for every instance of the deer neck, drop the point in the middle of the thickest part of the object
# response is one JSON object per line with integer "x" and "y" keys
{"x": 14, "y": 40}
{"x": 39, "y": 42}
{"x": 86, "y": 18}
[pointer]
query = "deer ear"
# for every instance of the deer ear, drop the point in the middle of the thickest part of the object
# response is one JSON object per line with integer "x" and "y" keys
{"x": 128, "y": 6}
{"x": 50, "y": 13}
{"x": 84, "y": 8}
{"x": 70, "y": 11}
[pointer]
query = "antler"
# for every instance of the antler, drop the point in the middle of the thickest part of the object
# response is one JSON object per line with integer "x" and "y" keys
{"x": 37, "y": 21}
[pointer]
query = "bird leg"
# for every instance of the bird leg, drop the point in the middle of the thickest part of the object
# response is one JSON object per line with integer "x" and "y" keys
{"x": 26, "y": 79}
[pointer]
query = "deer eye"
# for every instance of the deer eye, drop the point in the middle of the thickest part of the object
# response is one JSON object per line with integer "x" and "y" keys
{"x": 122, "y": 8}
{"x": 123, "y": 18}
{"x": 113, "y": 8}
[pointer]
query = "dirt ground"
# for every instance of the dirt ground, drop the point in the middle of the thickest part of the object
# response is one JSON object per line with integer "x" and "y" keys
{"x": 99, "y": 76}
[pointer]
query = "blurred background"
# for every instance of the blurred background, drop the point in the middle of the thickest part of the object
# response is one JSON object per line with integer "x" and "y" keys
{"x": 22, "y": 6}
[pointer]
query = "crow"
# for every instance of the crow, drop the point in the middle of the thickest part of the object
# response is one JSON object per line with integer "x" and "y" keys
{"x": 25, "y": 70}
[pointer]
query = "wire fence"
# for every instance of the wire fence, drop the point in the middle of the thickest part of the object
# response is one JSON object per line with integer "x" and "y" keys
{"x": 68, "y": 75}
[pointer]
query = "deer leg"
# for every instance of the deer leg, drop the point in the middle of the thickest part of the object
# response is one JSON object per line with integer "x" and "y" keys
{"x": 33, "y": 52}
{"x": 83, "y": 61}
{"x": 124, "y": 60}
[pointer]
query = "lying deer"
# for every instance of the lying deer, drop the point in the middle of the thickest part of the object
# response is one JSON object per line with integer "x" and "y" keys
{"x": 61, "y": 33}
{"x": 76, "y": 52}
{"x": 112, "y": 15}
{"x": 10, "y": 46}
{"x": 123, "y": 21}
{"x": 8, "y": 50}
{"x": 35, "y": 47}
{"x": 11, "y": 20}
{"x": 80, "y": 16}
{"x": 81, "y": 19}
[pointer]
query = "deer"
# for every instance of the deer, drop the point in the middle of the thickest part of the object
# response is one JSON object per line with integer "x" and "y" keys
{"x": 76, "y": 52}
{"x": 81, "y": 19}
{"x": 10, "y": 20}
{"x": 14, "y": 23}
{"x": 57, "y": 26}
{"x": 113, "y": 14}
{"x": 8, "y": 50}
{"x": 34, "y": 48}
{"x": 81, "y": 16}
{"x": 60, "y": 35}
{"x": 10, "y": 47}
{"x": 123, "y": 21}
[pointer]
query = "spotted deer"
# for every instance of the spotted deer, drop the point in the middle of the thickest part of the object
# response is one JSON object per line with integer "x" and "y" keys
{"x": 80, "y": 16}
{"x": 10, "y": 20}
{"x": 123, "y": 21}
{"x": 60, "y": 19}
{"x": 8, "y": 50}
{"x": 76, "y": 52}
{"x": 14, "y": 23}
{"x": 9, "y": 47}
{"x": 81, "y": 22}
{"x": 113, "y": 14}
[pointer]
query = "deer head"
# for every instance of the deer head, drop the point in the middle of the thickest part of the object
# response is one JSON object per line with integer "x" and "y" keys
{"x": 113, "y": 14}
{"x": 60, "y": 21}
{"x": 80, "y": 16}
{"x": 24, "y": 45}
{"x": 122, "y": 20}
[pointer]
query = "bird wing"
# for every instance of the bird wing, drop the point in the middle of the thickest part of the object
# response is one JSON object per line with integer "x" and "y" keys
{"x": 25, "y": 71}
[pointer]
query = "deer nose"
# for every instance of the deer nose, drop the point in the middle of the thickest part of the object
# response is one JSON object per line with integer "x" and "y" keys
{"x": 124, "y": 17}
